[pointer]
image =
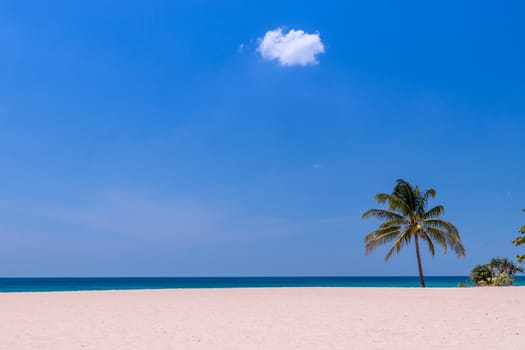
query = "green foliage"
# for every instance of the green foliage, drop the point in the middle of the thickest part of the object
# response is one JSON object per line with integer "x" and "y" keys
{"x": 519, "y": 241}
{"x": 498, "y": 272}
{"x": 462, "y": 284}
{"x": 499, "y": 266}
{"x": 481, "y": 275}
{"x": 406, "y": 218}
{"x": 502, "y": 280}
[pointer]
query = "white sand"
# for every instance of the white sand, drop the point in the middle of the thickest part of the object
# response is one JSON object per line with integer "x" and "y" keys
{"x": 286, "y": 318}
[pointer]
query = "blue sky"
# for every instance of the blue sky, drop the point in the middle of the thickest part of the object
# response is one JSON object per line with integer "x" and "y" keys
{"x": 153, "y": 138}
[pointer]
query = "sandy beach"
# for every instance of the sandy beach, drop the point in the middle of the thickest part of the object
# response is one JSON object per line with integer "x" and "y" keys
{"x": 266, "y": 318}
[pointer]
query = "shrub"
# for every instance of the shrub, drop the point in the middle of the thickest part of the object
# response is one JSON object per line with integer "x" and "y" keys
{"x": 462, "y": 284}
{"x": 498, "y": 272}
{"x": 481, "y": 275}
{"x": 502, "y": 280}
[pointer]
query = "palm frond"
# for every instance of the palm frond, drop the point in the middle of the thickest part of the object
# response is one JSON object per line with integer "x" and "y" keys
{"x": 448, "y": 231}
{"x": 434, "y": 212}
{"x": 405, "y": 191}
{"x": 425, "y": 237}
{"x": 382, "y": 214}
{"x": 394, "y": 203}
{"x": 379, "y": 232}
{"x": 439, "y": 237}
{"x": 378, "y": 238}
{"x": 402, "y": 240}
{"x": 429, "y": 193}
{"x": 458, "y": 248}
{"x": 395, "y": 222}
{"x": 443, "y": 225}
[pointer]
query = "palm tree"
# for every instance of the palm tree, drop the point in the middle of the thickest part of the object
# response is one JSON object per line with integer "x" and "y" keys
{"x": 407, "y": 218}
{"x": 504, "y": 266}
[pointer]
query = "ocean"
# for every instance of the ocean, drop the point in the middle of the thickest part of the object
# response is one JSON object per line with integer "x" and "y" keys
{"x": 129, "y": 283}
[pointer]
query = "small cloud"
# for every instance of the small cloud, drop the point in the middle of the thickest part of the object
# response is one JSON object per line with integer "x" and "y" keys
{"x": 295, "y": 48}
{"x": 241, "y": 48}
{"x": 317, "y": 166}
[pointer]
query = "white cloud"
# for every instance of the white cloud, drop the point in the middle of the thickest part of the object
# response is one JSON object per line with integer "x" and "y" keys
{"x": 295, "y": 48}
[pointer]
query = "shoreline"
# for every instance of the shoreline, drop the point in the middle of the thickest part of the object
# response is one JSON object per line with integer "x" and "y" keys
{"x": 252, "y": 288}
{"x": 10, "y": 285}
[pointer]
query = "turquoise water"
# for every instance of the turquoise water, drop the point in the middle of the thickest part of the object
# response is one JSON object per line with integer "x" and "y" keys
{"x": 123, "y": 283}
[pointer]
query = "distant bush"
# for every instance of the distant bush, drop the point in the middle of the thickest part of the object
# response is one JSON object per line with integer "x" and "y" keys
{"x": 502, "y": 280}
{"x": 481, "y": 275}
{"x": 498, "y": 272}
{"x": 462, "y": 284}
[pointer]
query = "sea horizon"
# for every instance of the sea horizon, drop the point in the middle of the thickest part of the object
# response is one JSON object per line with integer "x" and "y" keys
{"x": 65, "y": 284}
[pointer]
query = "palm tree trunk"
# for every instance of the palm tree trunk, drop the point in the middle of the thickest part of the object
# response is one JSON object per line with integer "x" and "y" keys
{"x": 421, "y": 278}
